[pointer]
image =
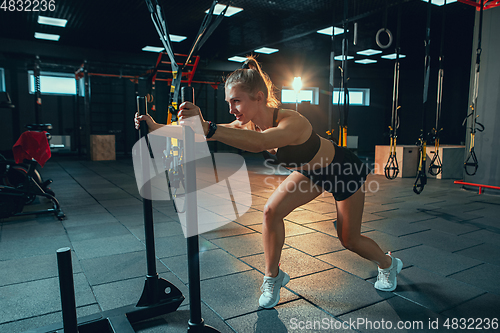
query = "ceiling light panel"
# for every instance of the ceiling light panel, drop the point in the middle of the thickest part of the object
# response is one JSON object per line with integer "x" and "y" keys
{"x": 177, "y": 38}
{"x": 328, "y": 31}
{"x": 266, "y": 50}
{"x": 153, "y": 49}
{"x": 441, "y": 2}
{"x": 40, "y": 35}
{"x": 393, "y": 56}
{"x": 52, "y": 21}
{"x": 237, "y": 59}
{"x": 230, "y": 10}
{"x": 369, "y": 52}
{"x": 341, "y": 57}
{"x": 365, "y": 61}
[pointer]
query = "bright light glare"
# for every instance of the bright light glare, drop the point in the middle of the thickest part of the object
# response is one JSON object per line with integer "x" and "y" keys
{"x": 52, "y": 21}
{"x": 297, "y": 84}
{"x": 230, "y": 10}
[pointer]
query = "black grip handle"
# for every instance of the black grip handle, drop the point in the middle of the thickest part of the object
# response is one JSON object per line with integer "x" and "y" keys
{"x": 187, "y": 94}
{"x": 142, "y": 109}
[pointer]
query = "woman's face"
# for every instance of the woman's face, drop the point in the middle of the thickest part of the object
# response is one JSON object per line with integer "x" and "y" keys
{"x": 241, "y": 105}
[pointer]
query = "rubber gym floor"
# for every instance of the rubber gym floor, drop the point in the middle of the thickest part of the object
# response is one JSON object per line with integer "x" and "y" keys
{"x": 448, "y": 239}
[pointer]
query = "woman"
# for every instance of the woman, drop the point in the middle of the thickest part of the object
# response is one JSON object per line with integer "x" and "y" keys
{"x": 318, "y": 165}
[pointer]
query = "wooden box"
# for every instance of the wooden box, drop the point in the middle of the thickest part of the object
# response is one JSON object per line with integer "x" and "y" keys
{"x": 102, "y": 148}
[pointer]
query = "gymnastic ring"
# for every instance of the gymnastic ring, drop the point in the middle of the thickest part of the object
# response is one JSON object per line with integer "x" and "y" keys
{"x": 377, "y": 38}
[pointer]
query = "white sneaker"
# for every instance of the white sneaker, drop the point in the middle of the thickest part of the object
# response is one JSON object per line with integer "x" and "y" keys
{"x": 271, "y": 289}
{"x": 387, "y": 278}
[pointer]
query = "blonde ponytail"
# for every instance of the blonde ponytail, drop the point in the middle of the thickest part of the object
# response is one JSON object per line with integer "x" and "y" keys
{"x": 252, "y": 79}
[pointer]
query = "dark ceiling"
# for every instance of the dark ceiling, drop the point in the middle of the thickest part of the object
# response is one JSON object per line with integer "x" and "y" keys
{"x": 123, "y": 28}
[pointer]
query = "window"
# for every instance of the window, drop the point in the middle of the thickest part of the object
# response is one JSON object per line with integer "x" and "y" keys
{"x": 310, "y": 94}
{"x": 357, "y": 96}
{"x": 2, "y": 79}
{"x": 54, "y": 83}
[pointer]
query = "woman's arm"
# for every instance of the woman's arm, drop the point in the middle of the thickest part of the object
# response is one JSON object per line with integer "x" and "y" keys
{"x": 152, "y": 125}
{"x": 288, "y": 131}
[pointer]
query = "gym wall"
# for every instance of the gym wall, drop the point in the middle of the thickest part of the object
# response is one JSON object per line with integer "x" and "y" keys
{"x": 488, "y": 103}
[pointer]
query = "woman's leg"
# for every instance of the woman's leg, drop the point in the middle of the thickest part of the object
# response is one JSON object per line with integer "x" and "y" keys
{"x": 293, "y": 192}
{"x": 349, "y": 217}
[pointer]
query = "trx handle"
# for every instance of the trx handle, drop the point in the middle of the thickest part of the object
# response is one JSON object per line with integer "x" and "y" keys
{"x": 420, "y": 183}
{"x": 468, "y": 163}
{"x": 436, "y": 165}
{"x": 391, "y": 169}
{"x": 421, "y": 180}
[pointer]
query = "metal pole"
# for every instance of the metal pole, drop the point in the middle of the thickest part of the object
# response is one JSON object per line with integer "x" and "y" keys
{"x": 67, "y": 289}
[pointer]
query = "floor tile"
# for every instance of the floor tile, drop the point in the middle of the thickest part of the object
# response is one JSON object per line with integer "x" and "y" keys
{"x": 314, "y": 243}
{"x": 34, "y": 298}
{"x": 432, "y": 290}
{"x": 485, "y": 307}
{"x": 435, "y": 260}
{"x": 337, "y": 292}
{"x": 483, "y": 276}
{"x": 236, "y": 294}
{"x": 441, "y": 240}
{"x": 213, "y": 263}
{"x": 394, "y": 314}
{"x": 293, "y": 316}
{"x": 117, "y": 267}
{"x": 243, "y": 245}
{"x": 33, "y": 268}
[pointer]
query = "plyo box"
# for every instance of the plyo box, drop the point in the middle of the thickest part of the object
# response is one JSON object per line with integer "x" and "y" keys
{"x": 102, "y": 148}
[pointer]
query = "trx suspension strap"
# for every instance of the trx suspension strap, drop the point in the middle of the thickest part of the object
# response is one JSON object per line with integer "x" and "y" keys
{"x": 162, "y": 29}
{"x": 38, "y": 94}
{"x": 174, "y": 148}
{"x": 206, "y": 30}
{"x": 331, "y": 82}
{"x": 471, "y": 160}
{"x": 344, "y": 110}
{"x": 391, "y": 169}
{"x": 421, "y": 179}
{"x": 435, "y": 166}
